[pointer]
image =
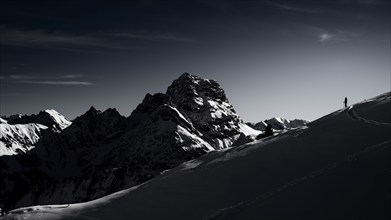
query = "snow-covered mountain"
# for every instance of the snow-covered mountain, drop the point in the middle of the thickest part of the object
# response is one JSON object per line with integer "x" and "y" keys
{"x": 19, "y": 138}
{"x": 336, "y": 167}
{"x": 50, "y": 118}
{"x": 103, "y": 152}
{"x": 19, "y": 134}
{"x": 278, "y": 123}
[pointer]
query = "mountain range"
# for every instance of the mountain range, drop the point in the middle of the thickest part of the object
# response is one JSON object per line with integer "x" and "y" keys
{"x": 336, "y": 167}
{"x": 46, "y": 159}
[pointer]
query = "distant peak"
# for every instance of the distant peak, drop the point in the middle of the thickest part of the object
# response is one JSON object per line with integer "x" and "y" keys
{"x": 93, "y": 111}
{"x": 92, "y": 108}
{"x": 51, "y": 112}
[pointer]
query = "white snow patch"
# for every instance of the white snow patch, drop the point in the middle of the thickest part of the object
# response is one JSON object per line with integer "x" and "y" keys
{"x": 196, "y": 142}
{"x": 247, "y": 130}
{"x": 19, "y": 137}
{"x": 3, "y": 121}
{"x": 58, "y": 118}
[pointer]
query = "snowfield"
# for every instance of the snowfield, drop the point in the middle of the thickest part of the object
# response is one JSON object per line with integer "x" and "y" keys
{"x": 337, "y": 167}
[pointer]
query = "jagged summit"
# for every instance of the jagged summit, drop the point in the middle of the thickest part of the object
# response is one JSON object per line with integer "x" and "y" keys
{"x": 94, "y": 122}
{"x": 93, "y": 111}
{"x": 196, "y": 88}
{"x": 204, "y": 103}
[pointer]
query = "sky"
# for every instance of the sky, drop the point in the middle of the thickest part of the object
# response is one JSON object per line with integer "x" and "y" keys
{"x": 291, "y": 59}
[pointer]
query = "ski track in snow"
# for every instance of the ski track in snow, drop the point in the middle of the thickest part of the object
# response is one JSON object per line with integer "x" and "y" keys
{"x": 352, "y": 114}
{"x": 238, "y": 207}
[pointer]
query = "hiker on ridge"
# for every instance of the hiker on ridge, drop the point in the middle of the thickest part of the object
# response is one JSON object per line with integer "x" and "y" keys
{"x": 346, "y": 102}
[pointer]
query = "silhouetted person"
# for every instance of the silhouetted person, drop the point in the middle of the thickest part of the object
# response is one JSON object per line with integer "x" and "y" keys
{"x": 346, "y": 102}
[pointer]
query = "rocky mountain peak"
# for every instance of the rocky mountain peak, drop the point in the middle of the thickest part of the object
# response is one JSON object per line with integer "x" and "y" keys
{"x": 204, "y": 103}
{"x": 96, "y": 120}
{"x": 196, "y": 88}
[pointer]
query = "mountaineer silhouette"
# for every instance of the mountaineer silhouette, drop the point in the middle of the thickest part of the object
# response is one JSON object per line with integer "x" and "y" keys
{"x": 346, "y": 102}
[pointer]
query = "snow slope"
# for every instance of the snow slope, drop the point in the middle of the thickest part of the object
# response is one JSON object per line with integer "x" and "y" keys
{"x": 336, "y": 168}
{"x": 19, "y": 138}
{"x": 59, "y": 120}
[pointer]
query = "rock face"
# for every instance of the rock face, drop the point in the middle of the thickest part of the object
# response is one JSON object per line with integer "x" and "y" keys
{"x": 203, "y": 102}
{"x": 103, "y": 152}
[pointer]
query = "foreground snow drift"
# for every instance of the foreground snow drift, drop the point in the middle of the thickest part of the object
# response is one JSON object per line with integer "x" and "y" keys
{"x": 336, "y": 168}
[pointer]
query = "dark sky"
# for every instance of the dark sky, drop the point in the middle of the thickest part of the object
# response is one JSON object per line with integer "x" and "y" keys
{"x": 293, "y": 59}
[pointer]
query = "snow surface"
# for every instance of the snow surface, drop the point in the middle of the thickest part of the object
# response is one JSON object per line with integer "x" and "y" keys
{"x": 19, "y": 137}
{"x": 336, "y": 168}
{"x": 247, "y": 130}
{"x": 197, "y": 142}
{"x": 59, "y": 119}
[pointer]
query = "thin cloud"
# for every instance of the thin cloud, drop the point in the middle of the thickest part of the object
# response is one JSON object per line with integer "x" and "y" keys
{"x": 87, "y": 42}
{"x": 325, "y": 36}
{"x": 21, "y": 77}
{"x": 55, "y": 40}
{"x": 72, "y": 76}
{"x": 151, "y": 36}
{"x": 63, "y": 83}
{"x": 294, "y": 9}
{"x": 337, "y": 36}
{"x": 65, "y": 80}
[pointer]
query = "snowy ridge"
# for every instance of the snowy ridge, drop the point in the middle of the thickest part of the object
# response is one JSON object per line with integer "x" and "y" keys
{"x": 50, "y": 118}
{"x": 20, "y": 133}
{"x": 59, "y": 119}
{"x": 18, "y": 138}
{"x": 279, "y": 123}
{"x": 311, "y": 172}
